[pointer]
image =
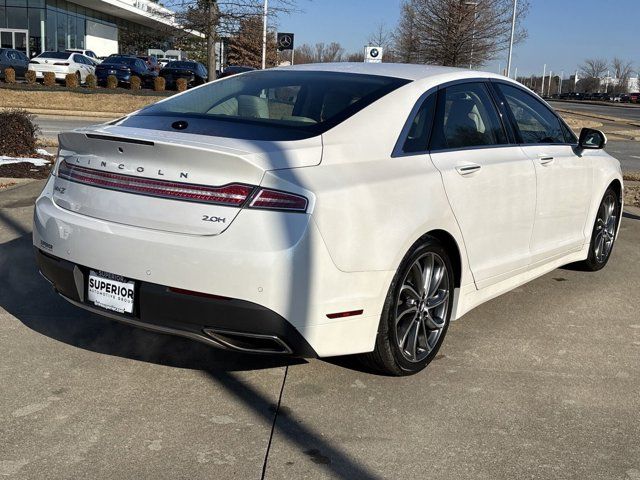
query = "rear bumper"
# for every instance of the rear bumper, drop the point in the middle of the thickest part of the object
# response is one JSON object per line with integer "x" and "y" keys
{"x": 275, "y": 266}
{"x": 226, "y": 323}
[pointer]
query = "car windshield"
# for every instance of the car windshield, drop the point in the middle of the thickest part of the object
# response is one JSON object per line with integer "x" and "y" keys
{"x": 120, "y": 61}
{"x": 181, "y": 65}
{"x": 58, "y": 55}
{"x": 305, "y": 101}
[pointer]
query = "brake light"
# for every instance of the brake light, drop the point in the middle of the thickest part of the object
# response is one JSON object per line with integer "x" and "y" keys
{"x": 233, "y": 195}
{"x": 62, "y": 64}
{"x": 277, "y": 200}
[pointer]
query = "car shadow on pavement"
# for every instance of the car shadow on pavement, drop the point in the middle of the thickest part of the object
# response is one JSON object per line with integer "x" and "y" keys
{"x": 31, "y": 299}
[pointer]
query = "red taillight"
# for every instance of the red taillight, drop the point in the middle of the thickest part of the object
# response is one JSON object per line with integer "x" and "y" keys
{"x": 233, "y": 195}
{"x": 62, "y": 64}
{"x": 276, "y": 200}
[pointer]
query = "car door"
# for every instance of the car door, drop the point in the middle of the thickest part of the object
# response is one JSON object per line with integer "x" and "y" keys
{"x": 489, "y": 181}
{"x": 564, "y": 178}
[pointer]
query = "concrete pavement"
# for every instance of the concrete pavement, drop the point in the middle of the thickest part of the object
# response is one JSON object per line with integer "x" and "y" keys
{"x": 539, "y": 383}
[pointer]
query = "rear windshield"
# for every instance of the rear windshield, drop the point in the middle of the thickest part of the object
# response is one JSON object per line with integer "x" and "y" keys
{"x": 271, "y": 104}
{"x": 58, "y": 55}
{"x": 181, "y": 65}
{"x": 120, "y": 61}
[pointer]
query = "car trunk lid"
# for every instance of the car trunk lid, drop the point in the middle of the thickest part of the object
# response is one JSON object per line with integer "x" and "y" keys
{"x": 128, "y": 175}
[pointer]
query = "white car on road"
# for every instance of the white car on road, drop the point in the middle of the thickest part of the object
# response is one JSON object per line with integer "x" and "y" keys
{"x": 62, "y": 64}
{"x": 324, "y": 210}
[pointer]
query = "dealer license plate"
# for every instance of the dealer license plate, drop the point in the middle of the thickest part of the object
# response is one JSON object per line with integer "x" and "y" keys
{"x": 110, "y": 291}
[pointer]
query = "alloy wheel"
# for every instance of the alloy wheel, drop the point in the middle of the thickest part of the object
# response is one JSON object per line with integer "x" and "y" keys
{"x": 422, "y": 306}
{"x": 606, "y": 224}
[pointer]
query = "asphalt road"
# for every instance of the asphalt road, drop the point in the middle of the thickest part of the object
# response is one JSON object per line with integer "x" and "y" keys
{"x": 51, "y": 126}
{"x": 627, "y": 112}
{"x": 539, "y": 383}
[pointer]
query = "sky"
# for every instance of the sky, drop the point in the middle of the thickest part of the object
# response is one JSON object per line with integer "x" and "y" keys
{"x": 561, "y": 33}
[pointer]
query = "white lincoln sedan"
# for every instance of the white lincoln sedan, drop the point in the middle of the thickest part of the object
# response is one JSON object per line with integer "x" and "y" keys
{"x": 324, "y": 210}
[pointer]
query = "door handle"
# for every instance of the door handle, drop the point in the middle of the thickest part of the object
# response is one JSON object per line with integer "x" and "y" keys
{"x": 468, "y": 169}
{"x": 545, "y": 160}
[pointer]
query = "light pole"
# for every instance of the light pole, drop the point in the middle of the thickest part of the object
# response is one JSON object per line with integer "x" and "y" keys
{"x": 473, "y": 33}
{"x": 264, "y": 34}
{"x": 513, "y": 32}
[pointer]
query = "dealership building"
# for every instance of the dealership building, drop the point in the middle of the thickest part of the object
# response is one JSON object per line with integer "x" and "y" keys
{"x": 34, "y": 26}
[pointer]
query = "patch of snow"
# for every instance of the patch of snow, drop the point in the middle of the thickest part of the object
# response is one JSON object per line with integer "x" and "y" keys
{"x": 42, "y": 151}
{"x": 38, "y": 162}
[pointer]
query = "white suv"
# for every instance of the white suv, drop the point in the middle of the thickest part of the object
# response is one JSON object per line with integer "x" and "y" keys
{"x": 324, "y": 210}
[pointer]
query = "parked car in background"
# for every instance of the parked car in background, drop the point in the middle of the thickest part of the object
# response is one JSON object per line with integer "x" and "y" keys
{"x": 242, "y": 213}
{"x": 15, "y": 59}
{"x": 62, "y": 64}
{"x": 193, "y": 72}
{"x": 624, "y": 98}
{"x": 634, "y": 97}
{"x": 151, "y": 61}
{"x": 124, "y": 67}
{"x": 234, "y": 70}
{"x": 87, "y": 53}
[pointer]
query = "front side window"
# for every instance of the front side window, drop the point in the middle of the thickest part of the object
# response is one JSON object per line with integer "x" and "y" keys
{"x": 465, "y": 118}
{"x": 536, "y": 122}
{"x": 302, "y": 103}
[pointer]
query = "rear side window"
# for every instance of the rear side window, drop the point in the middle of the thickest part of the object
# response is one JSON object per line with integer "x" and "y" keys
{"x": 536, "y": 122}
{"x": 420, "y": 127}
{"x": 466, "y": 117}
{"x": 307, "y": 102}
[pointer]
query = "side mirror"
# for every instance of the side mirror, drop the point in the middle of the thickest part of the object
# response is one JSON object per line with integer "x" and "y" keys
{"x": 591, "y": 139}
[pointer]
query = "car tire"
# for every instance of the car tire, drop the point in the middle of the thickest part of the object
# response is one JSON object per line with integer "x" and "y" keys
{"x": 604, "y": 232}
{"x": 415, "y": 319}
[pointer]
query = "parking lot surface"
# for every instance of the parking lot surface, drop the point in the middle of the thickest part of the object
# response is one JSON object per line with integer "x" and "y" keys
{"x": 539, "y": 383}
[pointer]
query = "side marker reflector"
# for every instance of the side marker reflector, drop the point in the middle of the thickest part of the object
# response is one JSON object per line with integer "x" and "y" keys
{"x": 345, "y": 314}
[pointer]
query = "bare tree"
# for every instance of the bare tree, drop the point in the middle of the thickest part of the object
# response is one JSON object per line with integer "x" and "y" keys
{"x": 319, "y": 53}
{"x": 212, "y": 20}
{"x": 406, "y": 39}
{"x": 383, "y": 37}
{"x": 457, "y": 32}
{"x": 622, "y": 71}
{"x": 245, "y": 47}
{"x": 594, "y": 67}
{"x": 591, "y": 72}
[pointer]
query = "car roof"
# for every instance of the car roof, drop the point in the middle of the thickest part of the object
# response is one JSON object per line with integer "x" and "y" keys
{"x": 396, "y": 70}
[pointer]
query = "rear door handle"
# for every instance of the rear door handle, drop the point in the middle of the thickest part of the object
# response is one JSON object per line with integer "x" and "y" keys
{"x": 468, "y": 169}
{"x": 545, "y": 159}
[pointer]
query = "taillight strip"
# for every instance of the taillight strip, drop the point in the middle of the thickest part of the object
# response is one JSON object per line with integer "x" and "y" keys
{"x": 234, "y": 194}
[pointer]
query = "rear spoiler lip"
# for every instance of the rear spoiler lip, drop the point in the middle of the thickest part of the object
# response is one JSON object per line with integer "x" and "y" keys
{"x": 110, "y": 138}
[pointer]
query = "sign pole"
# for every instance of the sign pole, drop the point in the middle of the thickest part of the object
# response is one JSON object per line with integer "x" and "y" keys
{"x": 264, "y": 34}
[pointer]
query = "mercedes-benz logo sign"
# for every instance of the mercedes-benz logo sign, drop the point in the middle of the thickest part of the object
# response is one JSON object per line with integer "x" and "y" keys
{"x": 374, "y": 52}
{"x": 286, "y": 41}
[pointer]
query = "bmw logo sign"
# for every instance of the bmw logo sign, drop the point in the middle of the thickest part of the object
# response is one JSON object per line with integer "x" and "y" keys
{"x": 374, "y": 53}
